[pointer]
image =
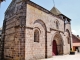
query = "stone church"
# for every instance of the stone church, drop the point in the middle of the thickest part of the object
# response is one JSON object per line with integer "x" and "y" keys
{"x": 31, "y": 32}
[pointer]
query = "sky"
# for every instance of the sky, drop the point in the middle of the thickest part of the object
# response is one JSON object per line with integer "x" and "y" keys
{"x": 70, "y": 8}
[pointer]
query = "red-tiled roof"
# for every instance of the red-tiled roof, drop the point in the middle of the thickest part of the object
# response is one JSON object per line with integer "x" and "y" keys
{"x": 75, "y": 39}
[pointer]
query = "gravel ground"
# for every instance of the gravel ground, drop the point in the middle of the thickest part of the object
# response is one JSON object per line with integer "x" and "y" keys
{"x": 65, "y": 57}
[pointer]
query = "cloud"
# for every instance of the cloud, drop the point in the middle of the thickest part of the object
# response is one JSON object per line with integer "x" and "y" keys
{"x": 76, "y": 32}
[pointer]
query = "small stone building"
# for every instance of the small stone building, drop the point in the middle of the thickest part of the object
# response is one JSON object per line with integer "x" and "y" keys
{"x": 76, "y": 42}
{"x": 31, "y": 32}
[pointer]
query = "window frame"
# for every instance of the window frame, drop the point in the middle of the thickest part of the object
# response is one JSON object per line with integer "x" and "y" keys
{"x": 36, "y": 35}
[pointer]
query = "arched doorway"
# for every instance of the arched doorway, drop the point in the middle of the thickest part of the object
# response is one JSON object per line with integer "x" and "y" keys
{"x": 57, "y": 45}
{"x": 54, "y": 48}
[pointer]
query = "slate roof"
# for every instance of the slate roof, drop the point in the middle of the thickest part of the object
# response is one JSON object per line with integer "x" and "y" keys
{"x": 55, "y": 11}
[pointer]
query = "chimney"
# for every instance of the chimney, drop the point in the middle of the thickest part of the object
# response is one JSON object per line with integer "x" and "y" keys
{"x": 78, "y": 36}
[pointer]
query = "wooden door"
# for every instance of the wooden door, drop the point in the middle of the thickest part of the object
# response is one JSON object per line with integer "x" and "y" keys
{"x": 54, "y": 48}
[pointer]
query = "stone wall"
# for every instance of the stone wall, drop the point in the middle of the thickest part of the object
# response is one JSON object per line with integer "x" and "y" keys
{"x": 36, "y": 18}
{"x": 14, "y": 31}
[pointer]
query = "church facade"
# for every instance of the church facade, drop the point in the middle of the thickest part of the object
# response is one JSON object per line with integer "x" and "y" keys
{"x": 31, "y": 32}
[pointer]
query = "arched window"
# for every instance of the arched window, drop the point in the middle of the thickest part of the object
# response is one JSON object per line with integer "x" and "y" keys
{"x": 36, "y": 36}
{"x": 57, "y": 24}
